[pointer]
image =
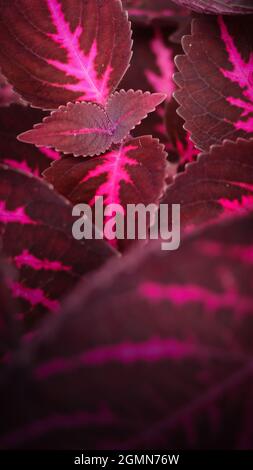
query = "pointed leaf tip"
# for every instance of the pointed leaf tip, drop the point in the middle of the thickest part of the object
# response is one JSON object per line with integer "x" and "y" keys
{"x": 86, "y": 129}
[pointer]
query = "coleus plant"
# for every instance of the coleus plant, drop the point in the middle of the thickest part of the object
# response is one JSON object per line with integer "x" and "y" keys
{"x": 71, "y": 59}
{"x": 35, "y": 230}
{"x": 178, "y": 324}
{"x": 155, "y": 354}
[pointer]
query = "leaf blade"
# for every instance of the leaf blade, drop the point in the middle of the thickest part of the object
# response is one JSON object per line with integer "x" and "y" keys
{"x": 36, "y": 238}
{"x": 160, "y": 316}
{"x": 218, "y": 185}
{"x": 134, "y": 172}
{"x": 126, "y": 109}
{"x": 86, "y": 129}
{"x": 214, "y": 77}
{"x": 57, "y": 56}
{"x": 80, "y": 129}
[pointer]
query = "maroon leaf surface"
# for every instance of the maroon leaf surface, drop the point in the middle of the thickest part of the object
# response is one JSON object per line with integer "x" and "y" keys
{"x": 216, "y": 80}
{"x": 131, "y": 173}
{"x": 219, "y": 184}
{"x": 149, "y": 11}
{"x": 30, "y": 159}
{"x": 88, "y": 129}
{"x": 55, "y": 51}
{"x": 218, "y": 6}
{"x": 36, "y": 237}
{"x": 126, "y": 109}
{"x": 180, "y": 147}
{"x": 159, "y": 354}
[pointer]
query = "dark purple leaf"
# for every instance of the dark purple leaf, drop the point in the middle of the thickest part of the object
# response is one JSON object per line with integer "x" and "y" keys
{"x": 36, "y": 237}
{"x": 131, "y": 173}
{"x": 64, "y": 50}
{"x": 219, "y": 184}
{"x": 216, "y": 80}
{"x": 80, "y": 129}
{"x": 88, "y": 129}
{"x": 218, "y": 6}
{"x": 14, "y": 120}
{"x": 155, "y": 353}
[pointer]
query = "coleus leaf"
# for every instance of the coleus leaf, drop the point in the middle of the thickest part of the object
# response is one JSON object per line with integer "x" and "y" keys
{"x": 36, "y": 237}
{"x": 176, "y": 333}
{"x": 133, "y": 172}
{"x": 218, "y": 6}
{"x": 216, "y": 80}
{"x": 64, "y": 50}
{"x": 30, "y": 159}
{"x": 153, "y": 67}
{"x": 181, "y": 149}
{"x": 87, "y": 129}
{"x": 148, "y": 11}
{"x": 219, "y": 184}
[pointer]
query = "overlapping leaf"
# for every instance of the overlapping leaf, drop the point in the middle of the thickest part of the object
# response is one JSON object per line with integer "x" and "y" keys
{"x": 56, "y": 51}
{"x": 159, "y": 354}
{"x": 218, "y": 6}
{"x": 87, "y": 129}
{"x": 36, "y": 237}
{"x": 131, "y": 172}
{"x": 219, "y": 184}
{"x": 30, "y": 159}
{"x": 216, "y": 80}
